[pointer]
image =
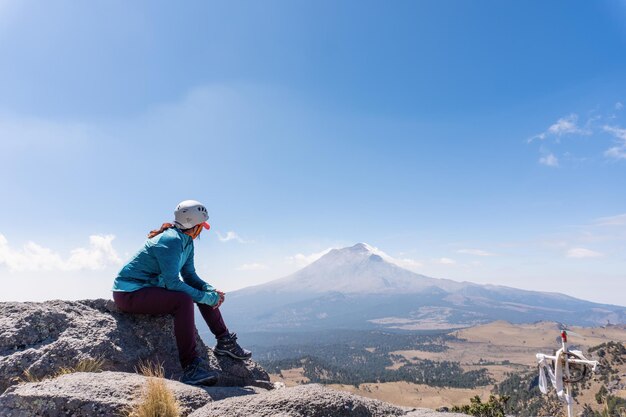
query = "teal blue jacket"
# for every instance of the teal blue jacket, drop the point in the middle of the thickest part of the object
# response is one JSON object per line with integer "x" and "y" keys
{"x": 160, "y": 263}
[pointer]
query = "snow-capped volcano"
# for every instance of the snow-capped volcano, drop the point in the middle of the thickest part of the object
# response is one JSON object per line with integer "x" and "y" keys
{"x": 359, "y": 269}
{"x": 362, "y": 287}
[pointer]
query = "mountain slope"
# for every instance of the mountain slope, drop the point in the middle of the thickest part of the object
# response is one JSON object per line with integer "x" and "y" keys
{"x": 359, "y": 269}
{"x": 360, "y": 287}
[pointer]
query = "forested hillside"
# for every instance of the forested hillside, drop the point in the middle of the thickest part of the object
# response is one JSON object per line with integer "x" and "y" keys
{"x": 361, "y": 357}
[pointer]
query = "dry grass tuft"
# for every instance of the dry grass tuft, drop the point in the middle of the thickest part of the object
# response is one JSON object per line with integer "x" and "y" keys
{"x": 158, "y": 400}
{"x": 85, "y": 365}
{"x": 150, "y": 369}
{"x": 27, "y": 376}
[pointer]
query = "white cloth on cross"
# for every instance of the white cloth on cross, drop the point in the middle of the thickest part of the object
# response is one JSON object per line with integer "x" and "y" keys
{"x": 556, "y": 374}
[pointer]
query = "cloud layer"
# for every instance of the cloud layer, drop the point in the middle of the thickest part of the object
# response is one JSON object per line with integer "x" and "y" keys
{"x": 582, "y": 253}
{"x": 230, "y": 236}
{"x": 34, "y": 257}
{"x": 619, "y": 150}
{"x": 303, "y": 260}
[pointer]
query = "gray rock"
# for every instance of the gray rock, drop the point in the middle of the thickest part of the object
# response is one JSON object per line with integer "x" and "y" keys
{"x": 425, "y": 412}
{"x": 102, "y": 394}
{"x": 43, "y": 337}
{"x": 302, "y": 401}
{"x": 87, "y": 394}
{"x": 219, "y": 393}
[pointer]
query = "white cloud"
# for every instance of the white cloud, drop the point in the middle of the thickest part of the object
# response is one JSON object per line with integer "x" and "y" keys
{"x": 230, "y": 235}
{"x": 407, "y": 263}
{"x": 252, "y": 267}
{"x": 303, "y": 260}
{"x": 583, "y": 253}
{"x": 34, "y": 257}
{"x": 445, "y": 261}
{"x": 618, "y": 132}
{"x": 618, "y": 151}
{"x": 475, "y": 252}
{"x": 549, "y": 160}
{"x": 401, "y": 262}
{"x": 567, "y": 125}
{"x": 618, "y": 220}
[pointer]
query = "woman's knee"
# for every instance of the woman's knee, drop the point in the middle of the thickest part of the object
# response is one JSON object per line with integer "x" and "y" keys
{"x": 183, "y": 301}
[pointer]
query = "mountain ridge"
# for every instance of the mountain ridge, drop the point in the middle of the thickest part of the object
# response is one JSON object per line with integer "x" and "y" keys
{"x": 362, "y": 287}
{"x": 336, "y": 261}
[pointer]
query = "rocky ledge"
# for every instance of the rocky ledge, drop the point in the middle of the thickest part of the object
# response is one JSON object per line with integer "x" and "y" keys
{"x": 43, "y": 342}
{"x": 39, "y": 339}
{"x": 311, "y": 400}
{"x": 115, "y": 393}
{"x": 101, "y": 394}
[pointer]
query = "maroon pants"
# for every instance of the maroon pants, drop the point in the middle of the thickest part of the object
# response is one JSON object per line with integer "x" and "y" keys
{"x": 155, "y": 300}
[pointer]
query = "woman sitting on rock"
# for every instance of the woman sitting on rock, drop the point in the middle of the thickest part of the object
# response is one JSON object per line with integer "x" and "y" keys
{"x": 149, "y": 284}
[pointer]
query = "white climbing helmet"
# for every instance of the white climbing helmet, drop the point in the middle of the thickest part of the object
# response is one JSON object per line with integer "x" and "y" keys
{"x": 190, "y": 213}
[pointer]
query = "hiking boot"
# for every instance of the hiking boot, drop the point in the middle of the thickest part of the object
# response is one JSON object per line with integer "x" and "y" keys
{"x": 196, "y": 374}
{"x": 228, "y": 345}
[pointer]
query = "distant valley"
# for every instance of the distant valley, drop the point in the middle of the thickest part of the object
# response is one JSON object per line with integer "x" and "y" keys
{"x": 357, "y": 321}
{"x": 441, "y": 369}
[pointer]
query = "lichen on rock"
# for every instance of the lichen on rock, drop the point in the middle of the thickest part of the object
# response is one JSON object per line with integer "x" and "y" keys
{"x": 311, "y": 400}
{"x": 44, "y": 338}
{"x": 103, "y": 394}
{"x": 41, "y": 338}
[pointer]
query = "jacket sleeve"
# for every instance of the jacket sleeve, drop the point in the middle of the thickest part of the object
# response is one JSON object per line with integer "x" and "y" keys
{"x": 168, "y": 253}
{"x": 190, "y": 277}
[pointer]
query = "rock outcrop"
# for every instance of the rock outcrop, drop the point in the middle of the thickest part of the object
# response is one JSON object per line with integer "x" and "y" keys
{"x": 302, "y": 401}
{"x": 114, "y": 394}
{"x": 426, "y": 412}
{"x": 101, "y": 394}
{"x": 37, "y": 340}
{"x": 90, "y": 394}
{"x": 41, "y": 338}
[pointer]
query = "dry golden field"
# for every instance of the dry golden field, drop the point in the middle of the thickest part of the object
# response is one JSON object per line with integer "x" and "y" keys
{"x": 486, "y": 346}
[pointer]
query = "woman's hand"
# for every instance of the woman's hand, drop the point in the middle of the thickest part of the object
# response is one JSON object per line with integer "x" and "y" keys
{"x": 208, "y": 298}
{"x": 221, "y": 300}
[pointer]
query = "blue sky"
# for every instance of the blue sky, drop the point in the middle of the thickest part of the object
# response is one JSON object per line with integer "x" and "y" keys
{"x": 480, "y": 141}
